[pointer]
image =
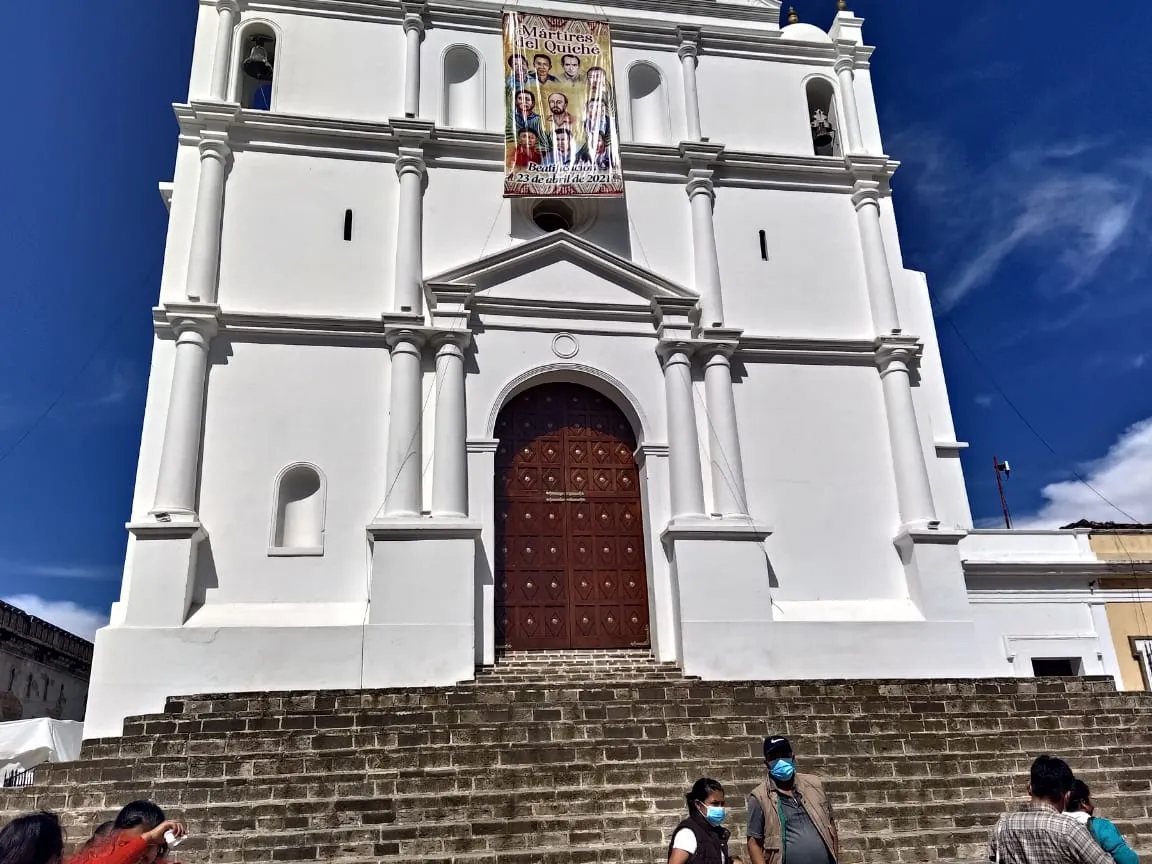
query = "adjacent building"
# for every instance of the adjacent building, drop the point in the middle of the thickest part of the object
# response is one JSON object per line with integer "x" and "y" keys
{"x": 44, "y": 670}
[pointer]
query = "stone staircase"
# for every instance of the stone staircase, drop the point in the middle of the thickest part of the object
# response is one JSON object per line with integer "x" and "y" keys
{"x": 579, "y": 758}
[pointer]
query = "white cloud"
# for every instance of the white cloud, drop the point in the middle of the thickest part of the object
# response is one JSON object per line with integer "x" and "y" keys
{"x": 55, "y": 570}
{"x": 63, "y": 613}
{"x": 1075, "y": 219}
{"x": 1123, "y": 476}
{"x": 1070, "y": 207}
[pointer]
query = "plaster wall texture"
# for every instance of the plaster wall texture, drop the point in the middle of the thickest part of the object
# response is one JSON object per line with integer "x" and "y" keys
{"x": 270, "y": 406}
{"x": 1039, "y": 630}
{"x": 283, "y": 247}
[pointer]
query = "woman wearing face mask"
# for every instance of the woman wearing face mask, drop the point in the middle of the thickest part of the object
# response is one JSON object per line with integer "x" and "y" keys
{"x": 702, "y": 837}
{"x": 789, "y": 819}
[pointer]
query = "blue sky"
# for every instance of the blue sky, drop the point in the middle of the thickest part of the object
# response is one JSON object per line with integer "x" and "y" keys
{"x": 1025, "y": 194}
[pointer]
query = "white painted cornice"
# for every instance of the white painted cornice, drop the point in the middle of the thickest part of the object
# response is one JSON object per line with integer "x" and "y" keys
{"x": 733, "y": 30}
{"x": 561, "y": 245}
{"x": 319, "y": 327}
{"x": 339, "y": 138}
{"x": 774, "y": 349}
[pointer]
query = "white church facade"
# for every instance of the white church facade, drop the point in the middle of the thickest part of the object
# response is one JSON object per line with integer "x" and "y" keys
{"x": 397, "y": 423}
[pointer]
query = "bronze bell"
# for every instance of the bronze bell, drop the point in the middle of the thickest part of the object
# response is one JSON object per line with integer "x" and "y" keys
{"x": 822, "y": 131}
{"x": 257, "y": 65}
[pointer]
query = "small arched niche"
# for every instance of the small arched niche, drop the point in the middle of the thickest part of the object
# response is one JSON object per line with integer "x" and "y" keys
{"x": 463, "y": 104}
{"x": 648, "y": 104}
{"x": 254, "y": 75}
{"x": 298, "y": 511}
{"x": 823, "y": 122}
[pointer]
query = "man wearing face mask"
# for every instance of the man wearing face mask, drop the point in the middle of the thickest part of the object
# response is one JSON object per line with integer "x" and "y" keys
{"x": 789, "y": 819}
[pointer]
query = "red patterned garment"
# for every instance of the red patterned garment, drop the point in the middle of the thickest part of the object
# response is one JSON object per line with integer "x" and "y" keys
{"x": 120, "y": 849}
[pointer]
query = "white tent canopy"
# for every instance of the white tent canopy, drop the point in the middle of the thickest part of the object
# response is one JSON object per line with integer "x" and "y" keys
{"x": 27, "y": 743}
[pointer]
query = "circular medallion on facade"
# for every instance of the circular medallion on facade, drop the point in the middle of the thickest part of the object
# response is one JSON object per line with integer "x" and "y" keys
{"x": 565, "y": 346}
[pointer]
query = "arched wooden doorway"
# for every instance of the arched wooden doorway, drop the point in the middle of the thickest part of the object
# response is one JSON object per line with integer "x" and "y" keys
{"x": 570, "y": 570}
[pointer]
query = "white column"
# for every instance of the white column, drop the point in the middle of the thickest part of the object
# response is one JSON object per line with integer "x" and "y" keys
{"x": 845, "y": 74}
{"x": 687, "y": 485}
{"x": 413, "y": 33}
{"x": 404, "y": 494}
{"x": 881, "y": 293}
{"x": 728, "y": 494}
{"x": 410, "y": 232}
{"x": 706, "y": 263}
{"x": 227, "y": 12}
{"x": 687, "y": 54}
{"x": 450, "y": 459}
{"x": 180, "y": 453}
{"x": 204, "y": 253}
{"x": 913, "y": 489}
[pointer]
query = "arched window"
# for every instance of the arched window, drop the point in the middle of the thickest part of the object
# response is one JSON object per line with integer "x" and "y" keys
{"x": 298, "y": 512}
{"x": 254, "y": 77}
{"x": 463, "y": 102}
{"x": 822, "y": 120}
{"x": 649, "y": 105}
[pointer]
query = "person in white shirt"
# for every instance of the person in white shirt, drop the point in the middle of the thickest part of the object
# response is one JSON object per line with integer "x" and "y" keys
{"x": 702, "y": 837}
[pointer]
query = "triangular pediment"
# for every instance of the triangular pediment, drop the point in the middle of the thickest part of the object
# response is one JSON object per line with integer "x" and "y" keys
{"x": 561, "y": 267}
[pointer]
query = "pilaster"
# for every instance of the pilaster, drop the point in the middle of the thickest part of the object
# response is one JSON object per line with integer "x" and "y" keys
{"x": 675, "y": 351}
{"x": 715, "y": 349}
{"x": 411, "y": 169}
{"x": 877, "y": 274}
{"x": 895, "y": 356}
{"x": 450, "y": 457}
{"x": 228, "y": 13}
{"x": 414, "y": 13}
{"x": 845, "y": 67}
{"x": 701, "y": 158}
{"x": 404, "y": 495}
{"x": 194, "y": 326}
{"x": 688, "y": 52}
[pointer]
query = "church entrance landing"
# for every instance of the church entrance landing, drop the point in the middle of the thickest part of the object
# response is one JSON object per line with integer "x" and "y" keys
{"x": 570, "y": 571}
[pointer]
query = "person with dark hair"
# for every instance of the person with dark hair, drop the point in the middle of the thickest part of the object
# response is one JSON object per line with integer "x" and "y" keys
{"x": 521, "y": 72}
{"x": 136, "y": 837}
{"x": 543, "y": 66}
{"x": 1081, "y": 808}
{"x": 563, "y": 154}
{"x": 789, "y": 818}
{"x": 527, "y": 149}
{"x": 1039, "y": 832}
{"x": 525, "y": 116}
{"x": 570, "y": 63}
{"x": 702, "y": 837}
{"x": 32, "y": 839}
{"x": 103, "y": 831}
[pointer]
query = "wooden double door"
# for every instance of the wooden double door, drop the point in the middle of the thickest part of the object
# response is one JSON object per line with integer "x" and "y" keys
{"x": 570, "y": 570}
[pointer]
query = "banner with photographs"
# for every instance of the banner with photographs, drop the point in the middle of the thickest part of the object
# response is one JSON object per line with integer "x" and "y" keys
{"x": 561, "y": 134}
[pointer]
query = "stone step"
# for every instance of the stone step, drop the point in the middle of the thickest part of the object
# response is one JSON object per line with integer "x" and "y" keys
{"x": 943, "y": 691}
{"x": 633, "y": 715}
{"x": 718, "y": 739}
{"x": 500, "y": 705}
{"x": 675, "y": 775}
{"x": 665, "y": 786}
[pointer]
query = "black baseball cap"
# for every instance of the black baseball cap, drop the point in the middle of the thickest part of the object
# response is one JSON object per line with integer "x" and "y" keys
{"x": 777, "y": 747}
